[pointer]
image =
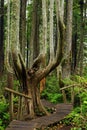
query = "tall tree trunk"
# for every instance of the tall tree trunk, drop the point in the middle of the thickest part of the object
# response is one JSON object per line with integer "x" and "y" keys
{"x": 8, "y": 38}
{"x": 51, "y": 30}
{"x": 74, "y": 50}
{"x": 67, "y": 65}
{"x": 36, "y": 48}
{"x": 15, "y": 26}
{"x": 12, "y": 41}
{"x": 34, "y": 40}
{"x": 81, "y": 53}
{"x": 44, "y": 37}
{"x": 1, "y": 36}
{"x": 44, "y": 41}
{"x": 22, "y": 34}
{"x": 62, "y": 8}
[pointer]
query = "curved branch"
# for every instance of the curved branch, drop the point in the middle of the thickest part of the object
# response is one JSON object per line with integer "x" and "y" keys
{"x": 59, "y": 57}
{"x": 20, "y": 70}
{"x": 38, "y": 61}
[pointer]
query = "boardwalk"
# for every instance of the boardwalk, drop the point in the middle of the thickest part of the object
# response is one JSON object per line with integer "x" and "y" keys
{"x": 42, "y": 122}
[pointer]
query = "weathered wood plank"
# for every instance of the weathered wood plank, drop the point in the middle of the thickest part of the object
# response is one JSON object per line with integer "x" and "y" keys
{"x": 72, "y": 85}
{"x": 42, "y": 122}
{"x": 17, "y": 93}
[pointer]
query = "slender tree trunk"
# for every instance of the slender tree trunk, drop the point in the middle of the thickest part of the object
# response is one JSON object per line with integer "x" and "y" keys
{"x": 81, "y": 53}
{"x": 62, "y": 8}
{"x": 15, "y": 26}
{"x": 34, "y": 40}
{"x": 74, "y": 49}
{"x": 67, "y": 65}
{"x": 44, "y": 38}
{"x": 44, "y": 41}
{"x": 8, "y": 40}
{"x": 36, "y": 48}
{"x": 1, "y": 36}
{"x": 13, "y": 41}
{"x": 8, "y": 61}
{"x": 51, "y": 30}
{"x": 22, "y": 34}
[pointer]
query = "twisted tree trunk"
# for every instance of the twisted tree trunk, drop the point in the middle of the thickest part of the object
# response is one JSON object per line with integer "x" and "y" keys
{"x": 30, "y": 79}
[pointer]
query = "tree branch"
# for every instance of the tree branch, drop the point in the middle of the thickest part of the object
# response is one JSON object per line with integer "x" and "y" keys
{"x": 59, "y": 57}
{"x": 38, "y": 61}
{"x": 20, "y": 70}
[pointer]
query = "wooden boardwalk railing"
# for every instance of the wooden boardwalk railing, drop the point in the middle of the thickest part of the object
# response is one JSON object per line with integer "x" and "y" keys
{"x": 20, "y": 103}
{"x": 61, "y": 110}
{"x": 72, "y": 91}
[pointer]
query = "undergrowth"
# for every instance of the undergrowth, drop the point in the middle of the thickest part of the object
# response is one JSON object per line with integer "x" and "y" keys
{"x": 52, "y": 92}
{"x": 78, "y": 117}
{"x": 4, "y": 115}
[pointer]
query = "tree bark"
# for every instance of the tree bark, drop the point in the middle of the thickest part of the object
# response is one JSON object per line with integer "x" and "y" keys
{"x": 34, "y": 40}
{"x": 74, "y": 49}
{"x": 66, "y": 68}
{"x": 44, "y": 37}
{"x": 1, "y": 36}
{"x": 22, "y": 34}
{"x": 81, "y": 47}
{"x": 44, "y": 41}
{"x": 15, "y": 26}
{"x": 80, "y": 52}
{"x": 51, "y": 31}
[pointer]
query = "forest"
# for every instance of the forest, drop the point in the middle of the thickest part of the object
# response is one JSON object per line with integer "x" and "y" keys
{"x": 43, "y": 55}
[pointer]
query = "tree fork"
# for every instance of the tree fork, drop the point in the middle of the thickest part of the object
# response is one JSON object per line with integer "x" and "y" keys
{"x": 31, "y": 78}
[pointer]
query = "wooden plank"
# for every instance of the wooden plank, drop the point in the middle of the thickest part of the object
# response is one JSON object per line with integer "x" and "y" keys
{"x": 47, "y": 103}
{"x": 17, "y": 93}
{"x": 72, "y": 95}
{"x": 19, "y": 122}
{"x": 29, "y": 128}
{"x": 42, "y": 122}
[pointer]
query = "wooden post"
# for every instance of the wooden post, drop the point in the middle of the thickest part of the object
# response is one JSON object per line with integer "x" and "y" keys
{"x": 11, "y": 107}
{"x": 20, "y": 105}
{"x": 64, "y": 96}
{"x": 72, "y": 95}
